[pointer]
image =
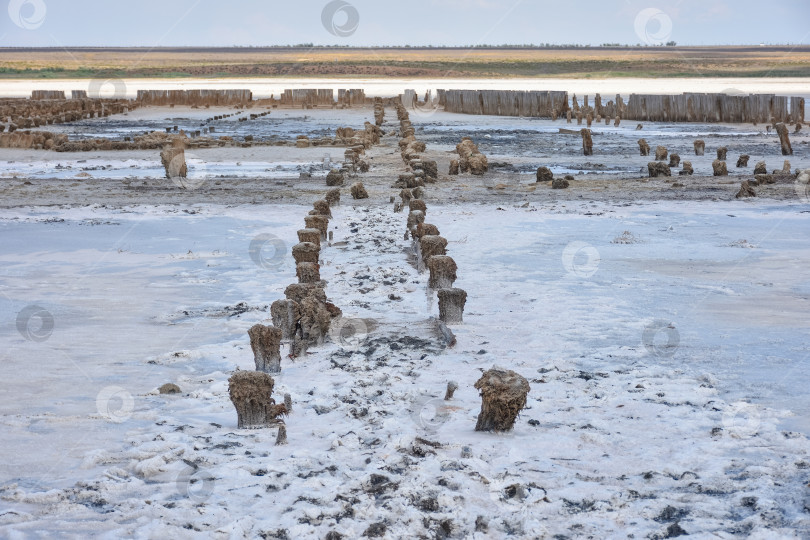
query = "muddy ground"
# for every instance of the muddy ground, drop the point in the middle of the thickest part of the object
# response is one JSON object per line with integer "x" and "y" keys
{"x": 515, "y": 148}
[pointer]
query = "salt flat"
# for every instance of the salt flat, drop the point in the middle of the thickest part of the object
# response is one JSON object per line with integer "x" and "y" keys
{"x": 663, "y": 331}
{"x": 605, "y": 404}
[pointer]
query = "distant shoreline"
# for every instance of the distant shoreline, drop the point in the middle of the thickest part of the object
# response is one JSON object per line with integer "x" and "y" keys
{"x": 405, "y": 62}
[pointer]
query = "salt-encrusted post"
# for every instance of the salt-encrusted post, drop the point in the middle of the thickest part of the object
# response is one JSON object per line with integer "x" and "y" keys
{"x": 265, "y": 341}
{"x": 784, "y": 140}
{"x": 503, "y": 396}
{"x": 451, "y": 305}
{"x": 250, "y": 393}
{"x": 442, "y": 272}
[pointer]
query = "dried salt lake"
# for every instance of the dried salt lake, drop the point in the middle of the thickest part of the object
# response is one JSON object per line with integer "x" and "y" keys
{"x": 664, "y": 339}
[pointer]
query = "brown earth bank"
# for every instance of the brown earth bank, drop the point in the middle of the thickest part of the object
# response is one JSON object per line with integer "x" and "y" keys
{"x": 411, "y": 62}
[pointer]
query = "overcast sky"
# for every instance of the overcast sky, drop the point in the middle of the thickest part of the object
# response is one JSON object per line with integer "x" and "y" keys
{"x": 154, "y": 23}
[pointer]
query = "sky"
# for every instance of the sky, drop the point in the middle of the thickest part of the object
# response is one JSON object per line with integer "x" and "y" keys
{"x": 214, "y": 23}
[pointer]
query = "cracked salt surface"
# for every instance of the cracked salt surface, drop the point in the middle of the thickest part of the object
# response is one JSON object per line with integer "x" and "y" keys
{"x": 619, "y": 436}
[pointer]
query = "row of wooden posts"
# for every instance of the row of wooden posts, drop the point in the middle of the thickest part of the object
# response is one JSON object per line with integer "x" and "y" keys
{"x": 304, "y": 317}
{"x": 503, "y": 392}
{"x": 686, "y": 107}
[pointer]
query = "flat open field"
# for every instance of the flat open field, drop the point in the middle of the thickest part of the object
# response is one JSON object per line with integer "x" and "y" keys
{"x": 595, "y": 62}
{"x": 661, "y": 324}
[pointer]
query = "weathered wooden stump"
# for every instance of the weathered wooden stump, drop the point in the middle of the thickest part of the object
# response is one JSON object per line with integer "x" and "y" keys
{"x": 658, "y": 168}
{"x": 742, "y": 161}
{"x": 784, "y": 139}
{"x": 700, "y": 147}
{"x": 660, "y": 153}
{"x": 265, "y": 341}
{"x": 423, "y": 229}
{"x": 317, "y": 222}
{"x": 334, "y": 178}
{"x": 313, "y": 236}
{"x": 686, "y": 169}
{"x": 674, "y": 160}
{"x": 308, "y": 272}
{"x": 298, "y": 291}
{"x": 722, "y": 152}
{"x": 285, "y": 315}
{"x": 333, "y": 196}
{"x": 358, "y": 191}
{"x": 544, "y": 174}
{"x": 288, "y": 403}
{"x": 173, "y": 159}
{"x": 643, "y": 147}
{"x": 417, "y": 204}
{"x": 305, "y": 252}
{"x": 451, "y": 305}
{"x": 442, "y": 272}
{"x": 587, "y": 141}
{"x": 760, "y": 168}
{"x": 281, "y": 437}
{"x": 745, "y": 190}
{"x": 321, "y": 208}
{"x": 414, "y": 218}
{"x": 250, "y": 393}
{"x": 315, "y": 320}
{"x": 430, "y": 245}
{"x": 453, "y": 170}
{"x": 503, "y": 396}
{"x": 719, "y": 168}
{"x": 559, "y": 183}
